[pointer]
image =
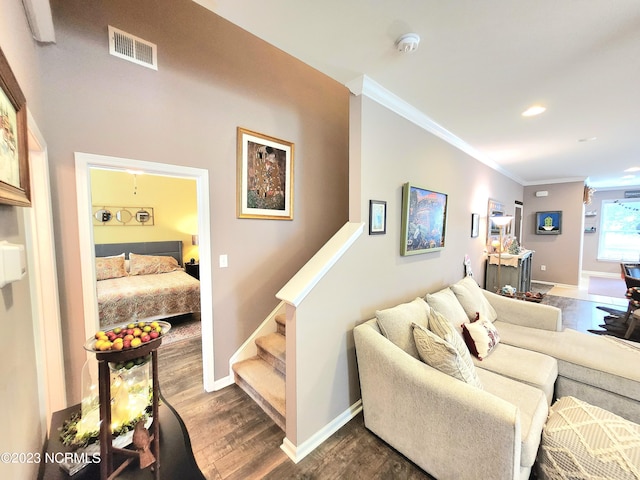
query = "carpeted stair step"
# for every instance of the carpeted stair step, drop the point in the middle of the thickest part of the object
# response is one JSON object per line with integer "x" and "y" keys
{"x": 264, "y": 384}
{"x": 281, "y": 321}
{"x": 272, "y": 349}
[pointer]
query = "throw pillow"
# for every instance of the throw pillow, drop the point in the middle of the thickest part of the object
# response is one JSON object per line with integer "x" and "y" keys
{"x": 395, "y": 323}
{"x": 441, "y": 355}
{"x": 443, "y": 329}
{"x": 481, "y": 337}
{"x": 470, "y": 296}
{"x": 110, "y": 267}
{"x": 445, "y": 302}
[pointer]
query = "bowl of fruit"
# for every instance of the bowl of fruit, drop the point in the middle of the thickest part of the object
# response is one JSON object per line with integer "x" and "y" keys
{"x": 127, "y": 337}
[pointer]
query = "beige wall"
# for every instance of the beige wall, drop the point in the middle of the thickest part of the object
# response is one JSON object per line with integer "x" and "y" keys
{"x": 212, "y": 77}
{"x": 372, "y": 274}
{"x": 174, "y": 203}
{"x": 19, "y": 405}
{"x": 561, "y": 254}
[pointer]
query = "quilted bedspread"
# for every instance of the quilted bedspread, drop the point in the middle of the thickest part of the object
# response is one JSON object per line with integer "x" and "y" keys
{"x": 133, "y": 297}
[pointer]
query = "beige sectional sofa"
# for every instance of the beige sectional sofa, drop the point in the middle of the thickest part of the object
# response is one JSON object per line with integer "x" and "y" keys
{"x": 455, "y": 430}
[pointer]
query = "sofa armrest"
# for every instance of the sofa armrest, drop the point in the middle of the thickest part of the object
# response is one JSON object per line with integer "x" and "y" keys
{"x": 526, "y": 314}
{"x": 447, "y": 427}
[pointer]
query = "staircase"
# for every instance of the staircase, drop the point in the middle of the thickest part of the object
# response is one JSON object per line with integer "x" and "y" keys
{"x": 263, "y": 376}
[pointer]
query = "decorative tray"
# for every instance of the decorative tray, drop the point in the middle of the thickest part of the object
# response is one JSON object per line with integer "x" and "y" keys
{"x": 526, "y": 296}
{"x": 142, "y": 331}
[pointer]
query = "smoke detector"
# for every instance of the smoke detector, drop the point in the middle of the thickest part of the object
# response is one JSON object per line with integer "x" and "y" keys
{"x": 408, "y": 43}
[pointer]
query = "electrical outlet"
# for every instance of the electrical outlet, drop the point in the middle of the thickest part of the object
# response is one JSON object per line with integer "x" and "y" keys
{"x": 224, "y": 261}
{"x": 543, "y": 267}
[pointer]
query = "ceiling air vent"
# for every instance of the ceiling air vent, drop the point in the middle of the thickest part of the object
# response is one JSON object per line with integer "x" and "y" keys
{"x": 136, "y": 50}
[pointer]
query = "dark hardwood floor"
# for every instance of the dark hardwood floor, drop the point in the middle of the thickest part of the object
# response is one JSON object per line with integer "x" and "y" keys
{"x": 232, "y": 438}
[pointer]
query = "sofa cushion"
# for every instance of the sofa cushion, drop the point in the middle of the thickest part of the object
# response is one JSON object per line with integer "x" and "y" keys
{"x": 532, "y": 368}
{"x": 532, "y": 404}
{"x": 470, "y": 296}
{"x": 443, "y": 356}
{"x": 606, "y": 363}
{"x": 443, "y": 329}
{"x": 481, "y": 337}
{"x": 395, "y": 323}
{"x": 446, "y": 303}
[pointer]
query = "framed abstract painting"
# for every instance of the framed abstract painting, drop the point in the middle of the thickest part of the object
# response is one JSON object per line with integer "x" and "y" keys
{"x": 424, "y": 216}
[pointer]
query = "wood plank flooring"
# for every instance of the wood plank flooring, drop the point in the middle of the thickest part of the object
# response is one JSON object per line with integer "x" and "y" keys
{"x": 232, "y": 438}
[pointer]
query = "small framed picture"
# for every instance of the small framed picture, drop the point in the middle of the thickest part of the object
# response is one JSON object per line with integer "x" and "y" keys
{"x": 549, "y": 223}
{"x": 475, "y": 225}
{"x": 377, "y": 217}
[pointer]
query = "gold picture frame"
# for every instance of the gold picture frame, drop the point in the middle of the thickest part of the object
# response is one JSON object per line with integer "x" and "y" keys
{"x": 15, "y": 185}
{"x": 264, "y": 176}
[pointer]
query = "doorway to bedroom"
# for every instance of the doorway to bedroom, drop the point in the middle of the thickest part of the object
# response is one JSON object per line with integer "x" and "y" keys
{"x": 137, "y": 216}
{"x": 132, "y": 202}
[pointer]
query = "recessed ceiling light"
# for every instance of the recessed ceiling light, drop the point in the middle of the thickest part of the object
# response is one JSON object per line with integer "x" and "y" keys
{"x": 533, "y": 110}
{"x": 587, "y": 139}
{"x": 633, "y": 169}
{"x": 628, "y": 177}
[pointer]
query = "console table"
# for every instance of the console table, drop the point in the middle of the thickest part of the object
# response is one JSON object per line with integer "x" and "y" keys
{"x": 515, "y": 270}
{"x": 175, "y": 446}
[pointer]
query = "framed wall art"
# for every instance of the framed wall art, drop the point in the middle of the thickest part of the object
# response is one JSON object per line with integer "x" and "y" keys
{"x": 264, "y": 176}
{"x": 377, "y": 217}
{"x": 14, "y": 153}
{"x": 424, "y": 216}
{"x": 549, "y": 223}
{"x": 494, "y": 209}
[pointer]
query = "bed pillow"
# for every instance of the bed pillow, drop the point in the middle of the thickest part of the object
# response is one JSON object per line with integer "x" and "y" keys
{"x": 481, "y": 337}
{"x": 395, "y": 323}
{"x": 150, "y": 264}
{"x": 443, "y": 356}
{"x": 110, "y": 267}
{"x": 470, "y": 296}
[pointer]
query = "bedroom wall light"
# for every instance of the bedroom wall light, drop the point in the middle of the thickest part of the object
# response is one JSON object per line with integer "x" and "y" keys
{"x": 194, "y": 240}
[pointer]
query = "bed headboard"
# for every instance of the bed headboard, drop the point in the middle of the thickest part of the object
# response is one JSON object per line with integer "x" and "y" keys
{"x": 171, "y": 248}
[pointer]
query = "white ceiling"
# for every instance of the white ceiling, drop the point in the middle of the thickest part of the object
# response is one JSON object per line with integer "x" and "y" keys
{"x": 479, "y": 65}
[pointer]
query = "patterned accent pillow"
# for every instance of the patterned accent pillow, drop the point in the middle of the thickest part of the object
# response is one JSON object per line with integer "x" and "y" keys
{"x": 150, "y": 264}
{"x": 443, "y": 356}
{"x": 110, "y": 267}
{"x": 481, "y": 337}
{"x": 443, "y": 329}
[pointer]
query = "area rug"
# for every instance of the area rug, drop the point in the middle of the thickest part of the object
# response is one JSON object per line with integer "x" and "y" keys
{"x": 616, "y": 327}
{"x": 182, "y": 328}
{"x": 607, "y": 287}
{"x": 540, "y": 287}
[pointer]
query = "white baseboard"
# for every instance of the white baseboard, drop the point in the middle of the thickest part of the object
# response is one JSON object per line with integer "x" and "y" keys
{"x": 297, "y": 453}
{"x": 222, "y": 383}
{"x": 591, "y": 273}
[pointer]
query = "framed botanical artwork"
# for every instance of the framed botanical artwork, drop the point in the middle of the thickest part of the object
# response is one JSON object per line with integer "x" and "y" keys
{"x": 14, "y": 153}
{"x": 424, "y": 216}
{"x": 377, "y": 217}
{"x": 264, "y": 176}
{"x": 475, "y": 225}
{"x": 549, "y": 223}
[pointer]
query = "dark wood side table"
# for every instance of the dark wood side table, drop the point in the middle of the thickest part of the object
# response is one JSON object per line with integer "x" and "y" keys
{"x": 193, "y": 269}
{"x": 178, "y": 461}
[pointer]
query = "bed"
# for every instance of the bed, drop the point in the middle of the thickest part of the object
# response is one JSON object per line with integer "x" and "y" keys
{"x": 143, "y": 280}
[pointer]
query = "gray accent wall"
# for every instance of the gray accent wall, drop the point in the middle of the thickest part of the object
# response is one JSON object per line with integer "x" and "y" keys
{"x": 19, "y": 398}
{"x": 212, "y": 77}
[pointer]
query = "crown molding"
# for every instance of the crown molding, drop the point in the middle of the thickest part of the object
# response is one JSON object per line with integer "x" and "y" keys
{"x": 364, "y": 85}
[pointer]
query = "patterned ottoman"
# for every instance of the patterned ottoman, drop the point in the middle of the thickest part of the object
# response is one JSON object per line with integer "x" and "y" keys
{"x": 581, "y": 441}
